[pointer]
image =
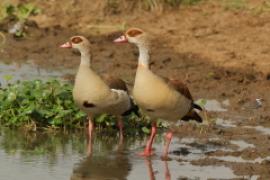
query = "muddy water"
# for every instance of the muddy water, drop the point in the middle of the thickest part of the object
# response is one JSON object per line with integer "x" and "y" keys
{"x": 63, "y": 156}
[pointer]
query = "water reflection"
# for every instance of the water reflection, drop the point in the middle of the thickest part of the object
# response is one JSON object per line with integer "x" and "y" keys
{"x": 38, "y": 144}
{"x": 114, "y": 165}
{"x": 108, "y": 160}
{"x": 43, "y": 155}
{"x": 63, "y": 156}
{"x": 151, "y": 173}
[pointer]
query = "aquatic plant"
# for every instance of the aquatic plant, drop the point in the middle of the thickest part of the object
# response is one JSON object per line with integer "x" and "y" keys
{"x": 39, "y": 104}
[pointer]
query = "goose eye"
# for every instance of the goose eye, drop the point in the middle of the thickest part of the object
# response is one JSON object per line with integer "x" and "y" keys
{"x": 76, "y": 40}
{"x": 134, "y": 32}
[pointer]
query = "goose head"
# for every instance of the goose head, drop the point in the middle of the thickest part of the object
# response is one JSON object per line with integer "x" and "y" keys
{"x": 135, "y": 36}
{"x": 77, "y": 42}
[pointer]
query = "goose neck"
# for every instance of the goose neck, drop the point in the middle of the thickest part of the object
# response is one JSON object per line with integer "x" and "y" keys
{"x": 86, "y": 58}
{"x": 144, "y": 56}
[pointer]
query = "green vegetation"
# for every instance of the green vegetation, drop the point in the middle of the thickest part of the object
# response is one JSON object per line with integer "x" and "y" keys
{"x": 38, "y": 104}
{"x": 261, "y": 8}
{"x": 235, "y": 4}
{"x": 4, "y": 12}
{"x": 255, "y": 8}
{"x": 20, "y": 13}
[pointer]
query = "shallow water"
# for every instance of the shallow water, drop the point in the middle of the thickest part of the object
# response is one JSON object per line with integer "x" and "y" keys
{"x": 225, "y": 123}
{"x": 264, "y": 130}
{"x": 29, "y": 72}
{"x": 63, "y": 156}
{"x": 216, "y": 106}
{"x": 240, "y": 159}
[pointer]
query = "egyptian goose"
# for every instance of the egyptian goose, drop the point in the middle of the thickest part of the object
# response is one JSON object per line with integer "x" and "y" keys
{"x": 168, "y": 99}
{"x": 94, "y": 95}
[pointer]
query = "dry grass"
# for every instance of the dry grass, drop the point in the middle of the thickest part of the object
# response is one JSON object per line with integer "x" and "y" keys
{"x": 149, "y": 5}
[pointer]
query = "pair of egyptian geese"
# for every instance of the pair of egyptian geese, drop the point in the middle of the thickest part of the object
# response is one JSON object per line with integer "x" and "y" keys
{"x": 157, "y": 97}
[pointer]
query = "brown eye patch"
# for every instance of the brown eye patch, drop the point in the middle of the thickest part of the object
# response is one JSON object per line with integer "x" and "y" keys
{"x": 134, "y": 32}
{"x": 76, "y": 40}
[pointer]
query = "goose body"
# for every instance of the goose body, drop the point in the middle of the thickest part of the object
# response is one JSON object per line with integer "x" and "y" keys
{"x": 95, "y": 95}
{"x": 157, "y": 97}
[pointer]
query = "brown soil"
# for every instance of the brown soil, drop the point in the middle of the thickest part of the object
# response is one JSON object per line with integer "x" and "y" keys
{"x": 220, "y": 54}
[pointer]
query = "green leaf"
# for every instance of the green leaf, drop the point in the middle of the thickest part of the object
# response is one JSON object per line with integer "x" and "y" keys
{"x": 201, "y": 102}
{"x": 10, "y": 9}
{"x": 146, "y": 130}
{"x": 11, "y": 96}
{"x": 8, "y": 77}
{"x": 101, "y": 118}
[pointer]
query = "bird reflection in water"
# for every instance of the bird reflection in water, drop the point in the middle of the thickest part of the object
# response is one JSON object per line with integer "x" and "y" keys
{"x": 151, "y": 172}
{"x": 90, "y": 145}
{"x": 111, "y": 161}
{"x": 107, "y": 161}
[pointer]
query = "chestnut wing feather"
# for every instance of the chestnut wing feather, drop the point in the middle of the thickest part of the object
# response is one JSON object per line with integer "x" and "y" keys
{"x": 180, "y": 87}
{"x": 115, "y": 83}
{"x": 183, "y": 89}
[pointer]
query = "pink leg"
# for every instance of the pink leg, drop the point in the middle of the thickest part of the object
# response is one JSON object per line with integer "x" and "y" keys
{"x": 168, "y": 137}
{"x": 90, "y": 128}
{"x": 90, "y": 132}
{"x": 148, "y": 149}
{"x": 120, "y": 126}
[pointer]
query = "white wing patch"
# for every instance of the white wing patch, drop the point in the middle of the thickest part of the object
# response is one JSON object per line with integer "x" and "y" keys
{"x": 121, "y": 98}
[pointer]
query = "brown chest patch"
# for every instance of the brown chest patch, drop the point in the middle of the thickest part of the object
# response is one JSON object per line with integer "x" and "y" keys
{"x": 88, "y": 104}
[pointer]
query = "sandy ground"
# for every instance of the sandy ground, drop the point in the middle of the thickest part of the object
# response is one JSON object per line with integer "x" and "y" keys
{"x": 220, "y": 52}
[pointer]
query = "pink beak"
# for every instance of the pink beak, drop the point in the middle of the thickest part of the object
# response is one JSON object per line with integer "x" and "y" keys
{"x": 121, "y": 39}
{"x": 66, "y": 45}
